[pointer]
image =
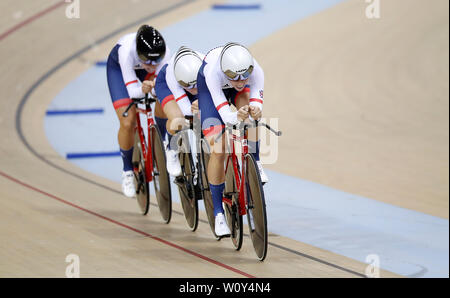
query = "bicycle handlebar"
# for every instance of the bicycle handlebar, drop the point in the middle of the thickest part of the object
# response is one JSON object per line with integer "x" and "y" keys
{"x": 137, "y": 100}
{"x": 190, "y": 118}
{"x": 278, "y": 133}
{"x": 244, "y": 126}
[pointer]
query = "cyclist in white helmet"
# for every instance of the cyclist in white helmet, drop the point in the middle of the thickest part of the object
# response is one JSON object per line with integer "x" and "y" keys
{"x": 176, "y": 89}
{"x": 229, "y": 75}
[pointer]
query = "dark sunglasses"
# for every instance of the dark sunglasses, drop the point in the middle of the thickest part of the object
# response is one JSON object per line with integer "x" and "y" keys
{"x": 232, "y": 76}
{"x": 151, "y": 61}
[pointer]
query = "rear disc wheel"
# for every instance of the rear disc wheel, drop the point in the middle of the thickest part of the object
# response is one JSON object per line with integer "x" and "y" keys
{"x": 187, "y": 192}
{"x": 256, "y": 209}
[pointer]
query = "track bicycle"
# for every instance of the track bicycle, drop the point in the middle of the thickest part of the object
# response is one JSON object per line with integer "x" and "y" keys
{"x": 244, "y": 193}
{"x": 149, "y": 161}
{"x": 193, "y": 184}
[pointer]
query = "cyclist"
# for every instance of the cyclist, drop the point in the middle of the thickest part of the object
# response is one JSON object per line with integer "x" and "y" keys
{"x": 131, "y": 68}
{"x": 229, "y": 74}
{"x": 176, "y": 89}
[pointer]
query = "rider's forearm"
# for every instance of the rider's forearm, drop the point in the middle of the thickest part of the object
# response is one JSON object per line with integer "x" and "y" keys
{"x": 185, "y": 106}
{"x": 228, "y": 116}
{"x": 256, "y": 102}
{"x": 135, "y": 91}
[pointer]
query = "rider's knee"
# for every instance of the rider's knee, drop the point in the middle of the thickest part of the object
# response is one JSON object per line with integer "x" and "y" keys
{"x": 218, "y": 152}
{"x": 176, "y": 123}
{"x": 128, "y": 123}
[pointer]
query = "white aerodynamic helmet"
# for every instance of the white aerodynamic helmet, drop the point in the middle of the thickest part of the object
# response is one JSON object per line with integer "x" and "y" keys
{"x": 186, "y": 66}
{"x": 236, "y": 61}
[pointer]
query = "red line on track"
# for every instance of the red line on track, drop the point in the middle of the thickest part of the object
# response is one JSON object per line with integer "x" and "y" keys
{"x": 127, "y": 226}
{"x": 30, "y": 19}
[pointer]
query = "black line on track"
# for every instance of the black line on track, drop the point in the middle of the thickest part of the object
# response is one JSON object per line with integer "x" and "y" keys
{"x": 76, "y": 55}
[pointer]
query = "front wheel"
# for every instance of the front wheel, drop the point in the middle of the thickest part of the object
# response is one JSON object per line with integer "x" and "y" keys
{"x": 256, "y": 208}
{"x": 161, "y": 180}
{"x": 234, "y": 219}
{"x": 140, "y": 179}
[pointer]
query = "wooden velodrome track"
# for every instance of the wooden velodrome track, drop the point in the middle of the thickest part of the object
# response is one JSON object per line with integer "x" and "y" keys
{"x": 359, "y": 99}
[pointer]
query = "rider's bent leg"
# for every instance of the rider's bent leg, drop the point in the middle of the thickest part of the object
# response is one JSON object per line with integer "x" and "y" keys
{"x": 126, "y": 142}
{"x": 211, "y": 126}
{"x": 126, "y": 135}
{"x": 216, "y": 172}
{"x": 120, "y": 100}
{"x": 160, "y": 119}
{"x": 216, "y": 177}
{"x": 175, "y": 117}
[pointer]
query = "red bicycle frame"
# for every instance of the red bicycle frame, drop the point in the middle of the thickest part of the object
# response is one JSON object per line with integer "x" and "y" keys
{"x": 240, "y": 180}
{"x": 146, "y": 150}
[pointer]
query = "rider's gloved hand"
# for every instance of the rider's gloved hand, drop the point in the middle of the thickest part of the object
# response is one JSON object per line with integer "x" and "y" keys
{"x": 194, "y": 107}
{"x": 242, "y": 113}
{"x": 255, "y": 112}
{"x": 147, "y": 86}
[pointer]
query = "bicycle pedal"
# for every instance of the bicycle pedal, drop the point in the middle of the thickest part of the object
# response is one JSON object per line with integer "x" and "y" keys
{"x": 179, "y": 181}
{"x": 224, "y": 236}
